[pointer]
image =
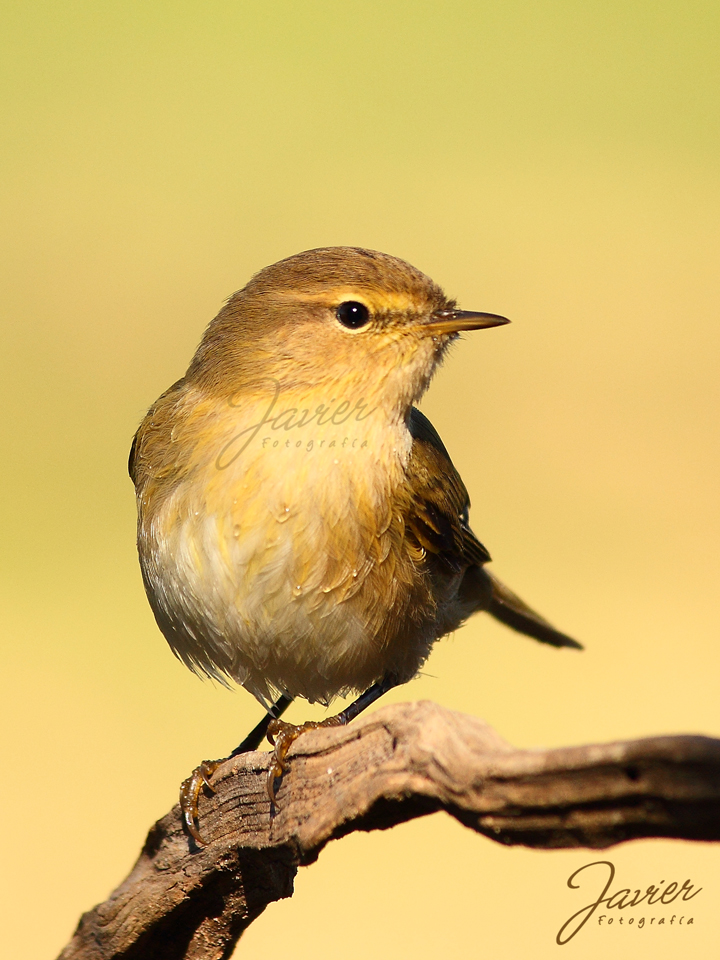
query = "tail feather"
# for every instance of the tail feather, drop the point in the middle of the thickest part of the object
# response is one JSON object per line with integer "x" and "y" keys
{"x": 509, "y": 609}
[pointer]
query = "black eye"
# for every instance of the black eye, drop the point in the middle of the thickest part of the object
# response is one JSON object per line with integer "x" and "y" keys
{"x": 353, "y": 314}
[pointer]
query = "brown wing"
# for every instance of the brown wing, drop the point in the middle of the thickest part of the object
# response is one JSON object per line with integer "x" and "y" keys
{"x": 439, "y": 502}
{"x": 438, "y": 520}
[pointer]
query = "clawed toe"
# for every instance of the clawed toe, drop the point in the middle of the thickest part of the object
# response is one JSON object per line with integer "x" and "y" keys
{"x": 282, "y": 735}
{"x": 190, "y": 794}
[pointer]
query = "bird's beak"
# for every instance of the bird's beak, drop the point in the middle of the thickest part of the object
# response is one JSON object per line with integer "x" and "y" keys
{"x": 454, "y": 321}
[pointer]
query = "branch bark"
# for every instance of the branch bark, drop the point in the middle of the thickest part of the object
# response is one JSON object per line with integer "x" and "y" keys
{"x": 403, "y": 761}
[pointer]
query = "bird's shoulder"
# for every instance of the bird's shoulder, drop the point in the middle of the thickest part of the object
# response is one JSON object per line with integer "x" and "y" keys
{"x": 153, "y": 453}
{"x": 438, "y": 502}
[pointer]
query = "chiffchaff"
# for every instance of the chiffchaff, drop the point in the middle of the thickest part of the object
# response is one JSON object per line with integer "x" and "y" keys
{"x": 302, "y": 530}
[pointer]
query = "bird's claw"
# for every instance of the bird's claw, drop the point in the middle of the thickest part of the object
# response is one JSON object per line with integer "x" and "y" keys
{"x": 282, "y": 735}
{"x": 190, "y": 794}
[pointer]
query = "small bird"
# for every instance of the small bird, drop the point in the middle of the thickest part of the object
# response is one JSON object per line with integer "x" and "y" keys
{"x": 302, "y": 530}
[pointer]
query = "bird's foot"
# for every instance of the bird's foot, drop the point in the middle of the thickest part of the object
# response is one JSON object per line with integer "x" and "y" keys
{"x": 190, "y": 793}
{"x": 282, "y": 735}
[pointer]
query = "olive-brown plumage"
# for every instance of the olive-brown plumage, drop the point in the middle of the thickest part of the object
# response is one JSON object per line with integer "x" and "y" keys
{"x": 301, "y": 527}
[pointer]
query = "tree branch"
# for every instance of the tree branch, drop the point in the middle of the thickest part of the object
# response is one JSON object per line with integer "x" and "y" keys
{"x": 403, "y": 761}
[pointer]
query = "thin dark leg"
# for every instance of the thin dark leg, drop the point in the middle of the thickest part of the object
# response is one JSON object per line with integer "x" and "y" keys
{"x": 256, "y": 736}
{"x": 372, "y": 694}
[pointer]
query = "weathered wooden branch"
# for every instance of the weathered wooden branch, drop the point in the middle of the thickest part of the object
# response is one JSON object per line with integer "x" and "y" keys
{"x": 403, "y": 761}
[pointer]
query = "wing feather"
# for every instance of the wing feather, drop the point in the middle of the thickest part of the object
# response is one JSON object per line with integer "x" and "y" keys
{"x": 438, "y": 516}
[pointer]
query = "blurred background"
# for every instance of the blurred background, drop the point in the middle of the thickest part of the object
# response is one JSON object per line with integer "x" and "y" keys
{"x": 555, "y": 162}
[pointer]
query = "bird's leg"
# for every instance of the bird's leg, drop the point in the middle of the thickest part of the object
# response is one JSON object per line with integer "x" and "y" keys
{"x": 200, "y": 777}
{"x": 253, "y": 740}
{"x": 282, "y": 735}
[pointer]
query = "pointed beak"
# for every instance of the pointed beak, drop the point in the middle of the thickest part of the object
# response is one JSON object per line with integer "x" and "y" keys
{"x": 455, "y": 321}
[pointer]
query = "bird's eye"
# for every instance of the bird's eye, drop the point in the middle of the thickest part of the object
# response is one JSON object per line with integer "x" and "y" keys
{"x": 352, "y": 314}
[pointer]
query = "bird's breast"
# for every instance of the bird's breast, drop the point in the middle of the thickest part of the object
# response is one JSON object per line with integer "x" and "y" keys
{"x": 278, "y": 557}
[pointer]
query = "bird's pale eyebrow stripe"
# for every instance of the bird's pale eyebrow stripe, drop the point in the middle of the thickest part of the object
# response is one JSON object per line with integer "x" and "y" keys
{"x": 375, "y": 300}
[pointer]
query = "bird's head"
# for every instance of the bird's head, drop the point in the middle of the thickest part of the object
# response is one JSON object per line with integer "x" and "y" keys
{"x": 338, "y": 318}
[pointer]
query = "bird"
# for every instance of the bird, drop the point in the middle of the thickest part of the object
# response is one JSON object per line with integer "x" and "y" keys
{"x": 302, "y": 530}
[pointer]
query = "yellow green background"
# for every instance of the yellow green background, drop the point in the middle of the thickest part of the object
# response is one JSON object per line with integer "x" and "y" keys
{"x": 554, "y": 161}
